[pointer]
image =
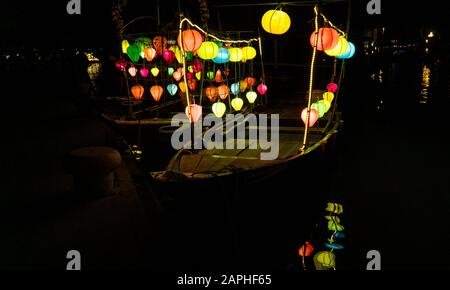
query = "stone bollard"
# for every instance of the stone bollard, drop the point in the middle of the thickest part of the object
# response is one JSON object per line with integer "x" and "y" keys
{"x": 93, "y": 170}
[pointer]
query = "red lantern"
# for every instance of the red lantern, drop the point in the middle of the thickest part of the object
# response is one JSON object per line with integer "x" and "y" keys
{"x": 197, "y": 65}
{"x": 332, "y": 88}
{"x": 327, "y": 39}
{"x": 192, "y": 40}
{"x": 160, "y": 44}
{"x": 223, "y": 91}
{"x": 190, "y": 76}
{"x": 262, "y": 89}
{"x": 306, "y": 250}
{"x": 156, "y": 92}
{"x": 218, "y": 77}
{"x": 211, "y": 93}
{"x": 169, "y": 56}
{"x": 121, "y": 65}
{"x": 250, "y": 82}
{"x": 194, "y": 112}
{"x": 313, "y": 116}
{"x": 137, "y": 91}
{"x": 192, "y": 84}
{"x": 144, "y": 72}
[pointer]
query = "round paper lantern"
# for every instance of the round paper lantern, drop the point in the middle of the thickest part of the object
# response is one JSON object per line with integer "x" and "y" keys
{"x": 137, "y": 91}
{"x": 251, "y": 96}
{"x": 235, "y": 89}
{"x": 235, "y": 54}
{"x": 218, "y": 77}
{"x": 313, "y": 116}
{"x": 248, "y": 53}
{"x": 349, "y": 53}
{"x": 193, "y": 112}
{"x": 332, "y": 88}
{"x": 325, "y": 259}
{"x": 243, "y": 85}
{"x": 212, "y": 93}
{"x": 155, "y": 71}
{"x": 177, "y": 75}
{"x": 134, "y": 52}
{"x": 182, "y": 87}
{"x": 192, "y": 84}
{"x": 219, "y": 109}
{"x": 223, "y": 56}
{"x": 262, "y": 89}
{"x": 169, "y": 56}
{"x": 223, "y": 91}
{"x": 250, "y": 81}
{"x": 125, "y": 45}
{"x": 149, "y": 53}
{"x": 156, "y": 92}
{"x": 327, "y": 38}
{"x": 340, "y": 48}
{"x": 121, "y": 65}
{"x": 306, "y": 250}
{"x": 192, "y": 40}
{"x": 276, "y": 21}
{"x": 208, "y": 50}
{"x": 170, "y": 71}
{"x": 172, "y": 89}
{"x": 237, "y": 103}
{"x": 159, "y": 43}
{"x": 144, "y": 72}
{"x": 132, "y": 71}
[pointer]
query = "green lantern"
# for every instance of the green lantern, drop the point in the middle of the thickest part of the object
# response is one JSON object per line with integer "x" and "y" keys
{"x": 134, "y": 52}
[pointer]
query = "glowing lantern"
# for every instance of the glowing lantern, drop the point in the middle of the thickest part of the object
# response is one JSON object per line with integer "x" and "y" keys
{"x": 219, "y": 109}
{"x": 327, "y": 38}
{"x": 149, "y": 53}
{"x": 189, "y": 76}
{"x": 125, "y": 45}
{"x": 192, "y": 40}
{"x": 210, "y": 75}
{"x": 218, "y": 77}
{"x": 340, "y": 48}
{"x": 235, "y": 88}
{"x": 144, "y": 72}
{"x": 251, "y": 97}
{"x": 211, "y": 93}
{"x": 169, "y": 56}
{"x": 190, "y": 69}
{"x": 321, "y": 108}
{"x": 243, "y": 85}
{"x": 349, "y": 53}
{"x": 156, "y": 92}
{"x": 170, "y": 71}
{"x": 276, "y": 22}
{"x": 177, "y": 52}
{"x": 132, "y": 71}
{"x": 172, "y": 89}
{"x": 237, "y": 103}
{"x": 325, "y": 260}
{"x": 121, "y": 65}
{"x": 248, "y": 53}
{"x": 223, "y": 91}
{"x": 313, "y": 116}
{"x": 192, "y": 84}
{"x": 262, "y": 89}
{"x": 193, "y": 112}
{"x": 334, "y": 227}
{"x": 182, "y": 87}
{"x": 198, "y": 75}
{"x": 208, "y": 50}
{"x": 155, "y": 71}
{"x": 159, "y": 43}
{"x": 328, "y": 96}
{"x": 332, "y": 88}
{"x": 335, "y": 208}
{"x": 306, "y": 250}
{"x": 235, "y": 54}
{"x": 134, "y": 52}
{"x": 333, "y": 218}
{"x": 334, "y": 246}
{"x": 250, "y": 82}
{"x": 197, "y": 66}
{"x": 137, "y": 91}
{"x": 223, "y": 56}
{"x": 143, "y": 42}
{"x": 177, "y": 75}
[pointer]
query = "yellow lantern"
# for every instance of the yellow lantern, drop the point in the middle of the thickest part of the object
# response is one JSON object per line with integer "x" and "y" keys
{"x": 208, "y": 50}
{"x": 248, "y": 53}
{"x": 276, "y": 21}
{"x": 219, "y": 109}
{"x": 340, "y": 48}
{"x": 125, "y": 45}
{"x": 237, "y": 103}
{"x": 235, "y": 54}
{"x": 243, "y": 85}
{"x": 251, "y": 97}
{"x": 155, "y": 71}
{"x": 182, "y": 87}
{"x": 328, "y": 96}
{"x": 325, "y": 260}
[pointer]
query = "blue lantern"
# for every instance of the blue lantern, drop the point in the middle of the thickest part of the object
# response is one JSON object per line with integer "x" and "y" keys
{"x": 235, "y": 88}
{"x": 172, "y": 89}
{"x": 349, "y": 52}
{"x": 223, "y": 56}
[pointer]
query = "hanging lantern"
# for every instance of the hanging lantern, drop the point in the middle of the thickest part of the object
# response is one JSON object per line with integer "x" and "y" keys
{"x": 250, "y": 81}
{"x": 313, "y": 116}
{"x": 334, "y": 227}
{"x": 177, "y": 52}
{"x": 325, "y": 260}
{"x": 327, "y": 38}
{"x": 334, "y": 208}
{"x": 210, "y": 75}
{"x": 339, "y": 49}
{"x": 350, "y": 52}
{"x": 134, "y": 52}
{"x": 132, "y": 71}
{"x": 197, "y": 66}
{"x": 159, "y": 43}
{"x": 332, "y": 88}
{"x": 212, "y": 93}
{"x": 155, "y": 71}
{"x": 334, "y": 246}
{"x": 321, "y": 108}
{"x": 182, "y": 87}
{"x": 248, "y": 53}
{"x": 192, "y": 84}
{"x": 243, "y": 85}
{"x": 235, "y": 89}
{"x": 177, "y": 75}
{"x": 235, "y": 54}
{"x": 172, "y": 89}
{"x": 169, "y": 56}
{"x": 156, "y": 92}
{"x": 193, "y": 112}
{"x": 170, "y": 71}
{"x": 198, "y": 75}
{"x": 223, "y": 56}
{"x": 125, "y": 45}
{"x": 306, "y": 250}
{"x": 226, "y": 72}
{"x": 218, "y": 77}
{"x": 237, "y": 103}
{"x": 262, "y": 89}
{"x": 149, "y": 53}
{"x": 219, "y": 109}
{"x": 144, "y": 72}
{"x": 190, "y": 69}
{"x": 143, "y": 42}
{"x": 328, "y": 96}
{"x": 333, "y": 218}
{"x": 121, "y": 65}
{"x": 137, "y": 91}
{"x": 189, "y": 55}
{"x": 192, "y": 40}
{"x": 223, "y": 91}
{"x": 189, "y": 76}
{"x": 208, "y": 50}
{"x": 251, "y": 97}
{"x": 276, "y": 21}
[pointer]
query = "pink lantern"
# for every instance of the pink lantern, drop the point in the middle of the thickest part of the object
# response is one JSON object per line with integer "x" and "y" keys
{"x": 197, "y": 65}
{"x": 132, "y": 71}
{"x": 190, "y": 76}
{"x": 332, "y": 88}
{"x": 262, "y": 89}
{"x": 121, "y": 65}
{"x": 144, "y": 72}
{"x": 193, "y": 112}
{"x": 313, "y": 116}
{"x": 169, "y": 56}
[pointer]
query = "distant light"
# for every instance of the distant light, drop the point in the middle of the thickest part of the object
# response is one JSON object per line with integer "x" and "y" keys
{"x": 431, "y": 34}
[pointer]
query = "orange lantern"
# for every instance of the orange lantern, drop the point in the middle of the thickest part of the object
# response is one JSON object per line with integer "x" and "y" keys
{"x": 327, "y": 38}
{"x": 182, "y": 87}
{"x": 160, "y": 44}
{"x": 177, "y": 75}
{"x": 243, "y": 85}
{"x": 211, "y": 93}
{"x": 250, "y": 81}
{"x": 192, "y": 84}
{"x": 192, "y": 40}
{"x": 137, "y": 91}
{"x": 193, "y": 112}
{"x": 313, "y": 116}
{"x": 149, "y": 53}
{"x": 156, "y": 92}
{"x": 218, "y": 77}
{"x": 306, "y": 250}
{"x": 223, "y": 91}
